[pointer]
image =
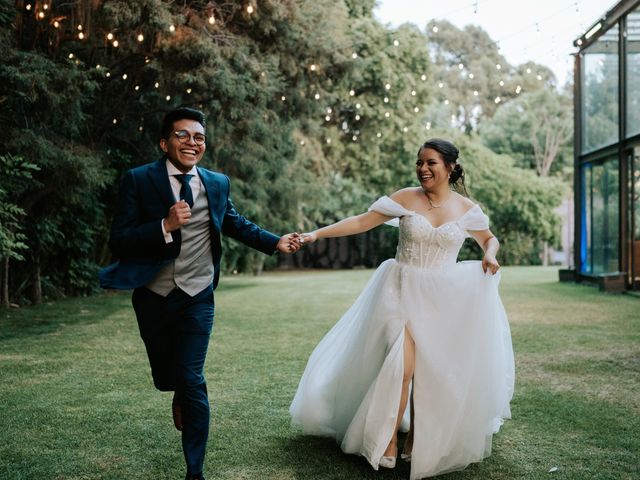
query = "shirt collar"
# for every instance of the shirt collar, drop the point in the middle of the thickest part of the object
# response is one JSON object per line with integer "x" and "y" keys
{"x": 172, "y": 170}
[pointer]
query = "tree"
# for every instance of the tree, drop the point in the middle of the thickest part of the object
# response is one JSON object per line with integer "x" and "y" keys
{"x": 473, "y": 78}
{"x": 536, "y": 129}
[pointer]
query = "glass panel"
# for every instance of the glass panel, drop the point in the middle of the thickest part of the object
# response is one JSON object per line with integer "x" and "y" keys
{"x": 600, "y": 92}
{"x": 635, "y": 216}
{"x": 586, "y": 262}
{"x": 633, "y": 73}
{"x": 599, "y": 249}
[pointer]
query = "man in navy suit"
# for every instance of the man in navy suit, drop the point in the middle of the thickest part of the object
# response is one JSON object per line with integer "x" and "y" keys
{"x": 166, "y": 235}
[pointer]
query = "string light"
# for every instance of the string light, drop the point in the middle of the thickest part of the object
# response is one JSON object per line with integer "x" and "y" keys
{"x": 115, "y": 120}
{"x": 354, "y": 55}
{"x": 79, "y": 27}
{"x": 124, "y": 76}
{"x": 428, "y": 126}
{"x": 70, "y": 55}
{"x": 354, "y": 138}
{"x": 475, "y": 93}
{"x": 352, "y": 92}
{"x": 423, "y": 77}
{"x": 108, "y": 74}
{"x": 378, "y": 134}
{"x": 497, "y": 100}
{"x": 109, "y": 36}
{"x": 528, "y": 70}
{"x": 358, "y": 105}
{"x": 471, "y": 76}
{"x": 115, "y": 43}
{"x": 405, "y": 129}
{"x": 386, "y": 99}
{"x": 302, "y": 142}
{"x": 327, "y": 118}
{"x": 140, "y": 37}
{"x": 28, "y": 7}
{"x": 168, "y": 97}
{"x": 156, "y": 85}
{"x": 498, "y": 66}
{"x": 357, "y": 117}
{"x": 189, "y": 91}
{"x": 416, "y": 109}
{"x": 41, "y": 15}
{"x": 539, "y": 77}
{"x": 317, "y": 96}
{"x": 172, "y": 28}
{"x": 387, "y": 114}
{"x": 313, "y": 67}
{"x": 387, "y": 86}
{"x": 98, "y": 67}
{"x": 329, "y": 110}
{"x": 501, "y": 83}
{"x": 136, "y": 88}
{"x": 212, "y": 19}
{"x": 413, "y": 93}
{"x": 460, "y": 66}
{"x": 250, "y": 9}
{"x": 518, "y": 89}
{"x": 81, "y": 36}
{"x": 446, "y": 102}
{"x": 440, "y": 85}
{"x": 435, "y": 29}
{"x": 283, "y": 98}
{"x": 56, "y": 24}
{"x": 396, "y": 43}
{"x": 140, "y": 128}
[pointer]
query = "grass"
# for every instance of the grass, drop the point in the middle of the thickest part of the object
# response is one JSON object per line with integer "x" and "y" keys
{"x": 77, "y": 400}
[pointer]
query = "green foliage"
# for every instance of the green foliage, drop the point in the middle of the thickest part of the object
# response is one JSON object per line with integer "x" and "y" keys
{"x": 536, "y": 129}
{"x": 15, "y": 174}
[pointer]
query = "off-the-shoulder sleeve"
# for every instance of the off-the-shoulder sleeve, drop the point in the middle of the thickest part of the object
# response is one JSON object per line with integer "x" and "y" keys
{"x": 391, "y": 208}
{"x": 474, "y": 220}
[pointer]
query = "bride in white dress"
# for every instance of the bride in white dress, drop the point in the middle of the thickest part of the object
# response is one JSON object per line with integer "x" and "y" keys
{"x": 425, "y": 327}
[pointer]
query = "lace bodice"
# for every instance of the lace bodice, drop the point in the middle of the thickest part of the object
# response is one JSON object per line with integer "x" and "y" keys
{"x": 423, "y": 245}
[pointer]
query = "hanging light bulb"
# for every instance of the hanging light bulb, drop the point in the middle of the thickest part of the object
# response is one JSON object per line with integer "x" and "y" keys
{"x": 416, "y": 109}
{"x": 497, "y": 100}
{"x": 428, "y": 126}
{"x": 440, "y": 85}
{"x": 387, "y": 114}
{"x": 168, "y": 97}
{"x": 357, "y": 117}
{"x": 352, "y": 92}
{"x": 156, "y": 85}
{"x": 317, "y": 96}
{"x": 109, "y": 36}
{"x": 501, "y": 83}
{"x": 283, "y": 98}
{"x": 498, "y": 66}
{"x": 378, "y": 134}
{"x": 70, "y": 55}
{"x": 446, "y": 102}
{"x": 329, "y": 110}
{"x": 28, "y": 7}
{"x": 461, "y": 66}
{"x": 115, "y": 120}
{"x": 475, "y": 93}
{"x": 328, "y": 140}
{"x": 108, "y": 74}
{"x": 124, "y": 76}
{"x": 212, "y": 20}
{"x": 250, "y": 9}
{"x": 136, "y": 88}
{"x": 435, "y": 29}
{"x": 386, "y": 99}
{"x": 140, "y": 128}
{"x": 140, "y": 37}
{"x": 40, "y": 15}
{"x": 189, "y": 90}
{"x": 423, "y": 77}
{"x": 388, "y": 86}
{"x": 358, "y": 105}
{"x": 354, "y": 55}
{"x": 56, "y": 24}
{"x": 405, "y": 129}
{"x": 172, "y": 28}
{"x": 396, "y": 43}
{"x": 81, "y": 36}
{"x": 313, "y": 67}
{"x": 471, "y": 76}
{"x": 115, "y": 43}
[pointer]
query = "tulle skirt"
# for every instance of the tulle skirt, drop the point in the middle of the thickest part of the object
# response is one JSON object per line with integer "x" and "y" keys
{"x": 464, "y": 368}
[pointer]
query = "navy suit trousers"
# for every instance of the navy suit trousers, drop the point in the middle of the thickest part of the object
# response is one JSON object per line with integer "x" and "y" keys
{"x": 176, "y": 330}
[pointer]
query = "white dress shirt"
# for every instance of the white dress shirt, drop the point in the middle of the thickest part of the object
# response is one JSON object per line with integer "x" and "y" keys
{"x": 196, "y": 187}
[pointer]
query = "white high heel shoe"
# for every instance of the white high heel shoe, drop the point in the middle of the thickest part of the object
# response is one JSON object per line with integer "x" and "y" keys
{"x": 388, "y": 462}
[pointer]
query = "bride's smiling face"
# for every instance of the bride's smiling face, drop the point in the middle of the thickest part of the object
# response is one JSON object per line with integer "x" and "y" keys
{"x": 431, "y": 169}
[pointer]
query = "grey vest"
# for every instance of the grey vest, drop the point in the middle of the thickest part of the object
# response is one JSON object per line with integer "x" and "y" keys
{"x": 192, "y": 271}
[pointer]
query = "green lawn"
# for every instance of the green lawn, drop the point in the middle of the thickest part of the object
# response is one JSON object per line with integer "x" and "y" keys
{"x": 77, "y": 402}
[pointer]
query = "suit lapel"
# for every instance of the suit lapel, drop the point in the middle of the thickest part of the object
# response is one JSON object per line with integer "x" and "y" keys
{"x": 160, "y": 179}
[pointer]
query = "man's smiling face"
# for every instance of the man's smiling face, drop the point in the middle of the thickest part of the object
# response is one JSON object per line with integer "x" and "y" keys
{"x": 184, "y": 155}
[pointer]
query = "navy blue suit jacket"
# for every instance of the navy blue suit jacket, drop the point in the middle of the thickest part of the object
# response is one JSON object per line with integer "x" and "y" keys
{"x": 136, "y": 234}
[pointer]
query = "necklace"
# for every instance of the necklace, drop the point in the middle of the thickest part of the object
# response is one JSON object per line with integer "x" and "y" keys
{"x": 434, "y": 205}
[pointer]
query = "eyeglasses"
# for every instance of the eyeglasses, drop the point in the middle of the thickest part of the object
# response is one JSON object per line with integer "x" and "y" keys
{"x": 183, "y": 137}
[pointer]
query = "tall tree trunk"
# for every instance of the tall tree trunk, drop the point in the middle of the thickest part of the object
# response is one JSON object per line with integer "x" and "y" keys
{"x": 36, "y": 283}
{"x": 4, "y": 281}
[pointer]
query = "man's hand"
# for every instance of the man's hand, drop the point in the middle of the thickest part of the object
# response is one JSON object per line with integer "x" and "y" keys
{"x": 179, "y": 215}
{"x": 289, "y": 243}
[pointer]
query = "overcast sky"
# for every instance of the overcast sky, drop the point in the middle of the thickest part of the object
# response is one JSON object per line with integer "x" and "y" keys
{"x": 538, "y": 30}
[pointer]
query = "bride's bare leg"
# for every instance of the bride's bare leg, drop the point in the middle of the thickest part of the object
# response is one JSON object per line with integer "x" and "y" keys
{"x": 408, "y": 443}
{"x": 409, "y": 365}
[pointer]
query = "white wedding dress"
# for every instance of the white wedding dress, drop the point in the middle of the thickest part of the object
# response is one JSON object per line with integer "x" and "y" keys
{"x": 464, "y": 368}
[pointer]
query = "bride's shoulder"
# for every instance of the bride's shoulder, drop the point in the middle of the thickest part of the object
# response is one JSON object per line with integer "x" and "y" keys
{"x": 465, "y": 202}
{"x": 405, "y": 196}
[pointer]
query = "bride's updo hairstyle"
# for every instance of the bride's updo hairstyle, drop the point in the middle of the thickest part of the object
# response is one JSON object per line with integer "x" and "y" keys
{"x": 449, "y": 154}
